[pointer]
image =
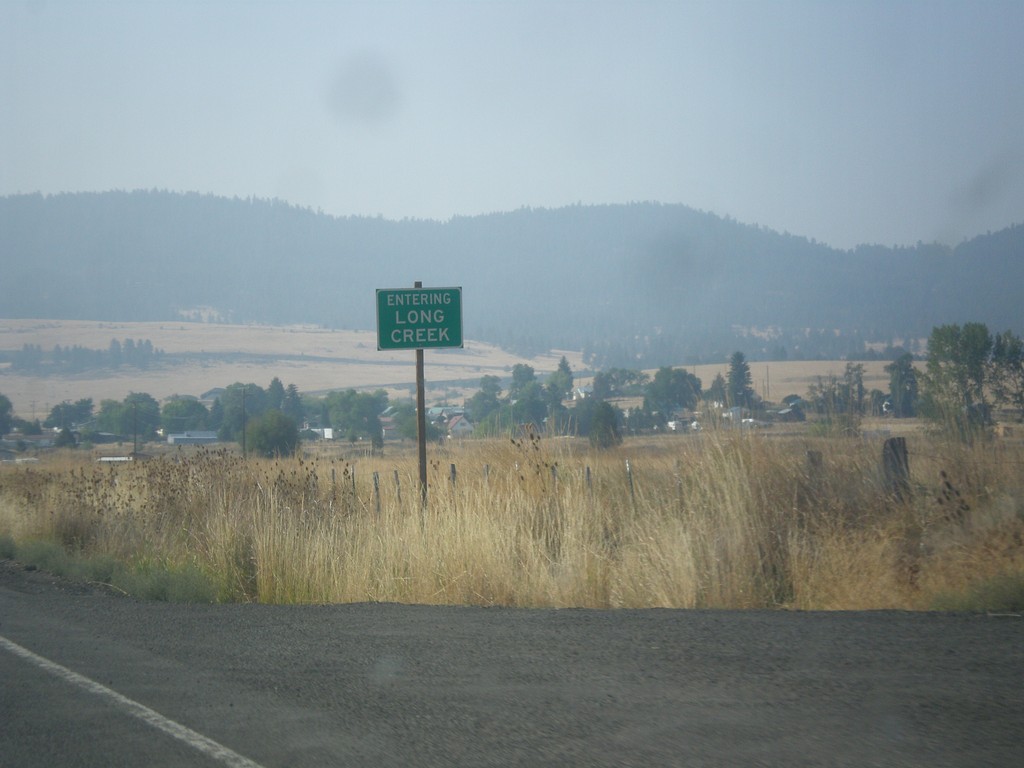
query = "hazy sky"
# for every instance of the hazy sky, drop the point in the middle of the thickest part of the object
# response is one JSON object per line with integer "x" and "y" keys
{"x": 848, "y": 122}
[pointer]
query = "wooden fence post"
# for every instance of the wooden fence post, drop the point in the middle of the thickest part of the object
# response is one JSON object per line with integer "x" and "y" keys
{"x": 376, "y": 492}
{"x": 896, "y": 467}
{"x": 815, "y": 466}
{"x": 679, "y": 485}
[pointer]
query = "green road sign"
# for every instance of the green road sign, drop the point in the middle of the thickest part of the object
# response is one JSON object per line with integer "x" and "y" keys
{"x": 419, "y": 318}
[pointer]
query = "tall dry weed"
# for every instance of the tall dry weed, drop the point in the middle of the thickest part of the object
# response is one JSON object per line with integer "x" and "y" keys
{"x": 718, "y": 520}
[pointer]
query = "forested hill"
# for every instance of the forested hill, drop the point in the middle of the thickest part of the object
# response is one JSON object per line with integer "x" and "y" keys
{"x": 632, "y": 284}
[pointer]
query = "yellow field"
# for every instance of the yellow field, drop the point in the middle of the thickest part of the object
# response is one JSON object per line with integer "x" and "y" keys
{"x": 333, "y": 360}
{"x": 336, "y": 360}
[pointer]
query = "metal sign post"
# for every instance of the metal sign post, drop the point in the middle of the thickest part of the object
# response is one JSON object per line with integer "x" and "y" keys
{"x": 419, "y": 318}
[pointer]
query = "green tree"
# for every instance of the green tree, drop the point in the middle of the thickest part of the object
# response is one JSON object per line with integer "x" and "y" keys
{"x": 68, "y": 414}
{"x": 717, "y": 391}
{"x": 138, "y": 415}
{"x": 357, "y": 414}
{"x": 601, "y": 386}
{"x": 485, "y": 401}
{"x": 839, "y": 401}
{"x": 404, "y": 418}
{"x": 1007, "y": 370}
{"x": 272, "y": 433}
{"x": 853, "y": 387}
{"x": 903, "y": 388}
{"x": 740, "y": 390}
{"x": 559, "y": 384}
{"x": 6, "y": 415}
{"x": 522, "y": 376}
{"x": 111, "y": 417}
{"x": 531, "y": 404}
{"x": 292, "y": 405}
{"x": 832, "y": 395}
{"x": 216, "y": 417}
{"x": 275, "y": 394}
{"x": 238, "y": 401}
{"x": 670, "y": 390}
{"x": 182, "y": 413}
{"x": 627, "y": 382}
{"x": 26, "y": 427}
{"x": 604, "y": 426}
{"x": 958, "y": 370}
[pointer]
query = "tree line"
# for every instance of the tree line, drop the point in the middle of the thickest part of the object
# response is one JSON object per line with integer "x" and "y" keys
{"x": 969, "y": 371}
{"x": 32, "y": 359}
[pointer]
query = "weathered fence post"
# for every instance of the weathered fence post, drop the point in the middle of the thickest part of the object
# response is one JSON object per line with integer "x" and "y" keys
{"x": 814, "y": 466}
{"x": 452, "y": 474}
{"x": 896, "y": 467}
{"x": 376, "y": 492}
{"x": 629, "y": 476}
{"x": 679, "y": 484}
{"x": 589, "y": 482}
{"x": 398, "y": 488}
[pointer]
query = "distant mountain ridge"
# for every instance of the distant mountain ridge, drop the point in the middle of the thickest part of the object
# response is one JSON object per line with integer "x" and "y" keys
{"x": 641, "y": 283}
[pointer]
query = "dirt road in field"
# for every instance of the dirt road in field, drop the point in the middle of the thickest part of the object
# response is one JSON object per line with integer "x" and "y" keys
{"x": 390, "y": 685}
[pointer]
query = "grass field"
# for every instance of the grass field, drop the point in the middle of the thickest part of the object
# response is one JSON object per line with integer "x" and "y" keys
{"x": 721, "y": 520}
{"x": 315, "y": 360}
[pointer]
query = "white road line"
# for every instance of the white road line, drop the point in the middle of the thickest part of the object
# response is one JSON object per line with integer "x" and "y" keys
{"x": 177, "y": 730}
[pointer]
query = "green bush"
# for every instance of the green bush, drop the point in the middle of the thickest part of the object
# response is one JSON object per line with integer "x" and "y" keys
{"x": 8, "y": 549}
{"x": 152, "y": 581}
{"x": 146, "y": 580}
{"x": 47, "y": 556}
{"x": 999, "y": 594}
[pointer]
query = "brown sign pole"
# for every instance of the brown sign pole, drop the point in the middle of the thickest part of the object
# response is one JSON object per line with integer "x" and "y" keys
{"x": 421, "y": 419}
{"x": 419, "y": 318}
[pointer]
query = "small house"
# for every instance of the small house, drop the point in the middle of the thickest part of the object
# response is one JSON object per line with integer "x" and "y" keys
{"x": 459, "y": 426}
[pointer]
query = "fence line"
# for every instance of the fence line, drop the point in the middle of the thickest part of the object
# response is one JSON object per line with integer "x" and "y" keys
{"x": 894, "y": 471}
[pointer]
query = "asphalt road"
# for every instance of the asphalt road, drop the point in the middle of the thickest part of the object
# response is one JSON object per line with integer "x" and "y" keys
{"x": 88, "y": 678}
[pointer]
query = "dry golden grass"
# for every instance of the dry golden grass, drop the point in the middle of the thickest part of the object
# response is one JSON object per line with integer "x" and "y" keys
{"x": 327, "y": 360}
{"x": 318, "y": 368}
{"x": 716, "y": 520}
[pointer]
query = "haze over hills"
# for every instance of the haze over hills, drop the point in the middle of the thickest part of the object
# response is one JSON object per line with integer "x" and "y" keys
{"x": 634, "y": 285}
